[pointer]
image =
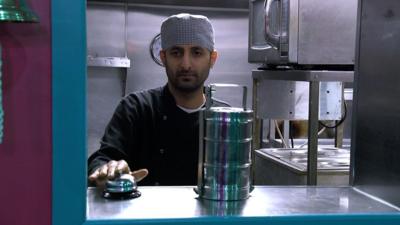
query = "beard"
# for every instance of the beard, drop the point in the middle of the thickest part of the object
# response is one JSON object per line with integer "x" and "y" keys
{"x": 187, "y": 81}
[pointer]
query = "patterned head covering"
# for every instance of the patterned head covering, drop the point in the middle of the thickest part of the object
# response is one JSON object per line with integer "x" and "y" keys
{"x": 184, "y": 29}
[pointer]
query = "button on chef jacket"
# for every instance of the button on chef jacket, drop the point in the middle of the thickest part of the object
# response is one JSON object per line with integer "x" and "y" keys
{"x": 148, "y": 130}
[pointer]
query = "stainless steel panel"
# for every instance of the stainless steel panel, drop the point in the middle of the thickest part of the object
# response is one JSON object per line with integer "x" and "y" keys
{"x": 290, "y": 99}
{"x": 327, "y": 32}
{"x": 105, "y": 38}
{"x": 105, "y": 30}
{"x": 376, "y": 118}
{"x": 104, "y": 91}
{"x": 182, "y": 202}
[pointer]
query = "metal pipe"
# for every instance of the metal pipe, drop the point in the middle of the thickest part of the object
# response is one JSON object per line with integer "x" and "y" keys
{"x": 313, "y": 116}
{"x": 257, "y": 122}
{"x": 201, "y": 154}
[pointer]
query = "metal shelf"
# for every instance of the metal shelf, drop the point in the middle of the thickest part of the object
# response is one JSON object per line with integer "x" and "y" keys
{"x": 304, "y": 75}
{"x": 231, "y": 4}
{"x": 118, "y": 62}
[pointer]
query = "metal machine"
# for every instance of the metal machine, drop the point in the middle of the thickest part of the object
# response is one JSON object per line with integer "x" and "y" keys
{"x": 307, "y": 51}
{"x": 302, "y": 32}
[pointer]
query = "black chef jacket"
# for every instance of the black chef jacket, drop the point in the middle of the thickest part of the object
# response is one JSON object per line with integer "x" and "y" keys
{"x": 149, "y": 131}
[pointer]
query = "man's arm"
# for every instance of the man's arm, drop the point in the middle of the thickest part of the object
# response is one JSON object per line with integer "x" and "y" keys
{"x": 111, "y": 159}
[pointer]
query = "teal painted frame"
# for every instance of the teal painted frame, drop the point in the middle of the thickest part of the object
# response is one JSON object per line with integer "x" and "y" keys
{"x": 69, "y": 137}
{"x": 68, "y": 22}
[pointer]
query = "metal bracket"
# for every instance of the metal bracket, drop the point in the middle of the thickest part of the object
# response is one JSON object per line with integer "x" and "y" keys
{"x": 119, "y": 62}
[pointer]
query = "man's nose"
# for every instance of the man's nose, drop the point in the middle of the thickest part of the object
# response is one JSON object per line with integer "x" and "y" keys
{"x": 186, "y": 62}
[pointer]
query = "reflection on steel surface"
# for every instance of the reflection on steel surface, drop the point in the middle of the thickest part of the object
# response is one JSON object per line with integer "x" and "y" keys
{"x": 182, "y": 202}
{"x": 227, "y": 145}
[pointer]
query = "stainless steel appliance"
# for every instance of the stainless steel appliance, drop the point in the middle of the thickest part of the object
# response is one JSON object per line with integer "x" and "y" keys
{"x": 297, "y": 41}
{"x": 302, "y": 32}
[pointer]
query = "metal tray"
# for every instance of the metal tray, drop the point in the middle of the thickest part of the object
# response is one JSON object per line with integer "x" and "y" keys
{"x": 328, "y": 158}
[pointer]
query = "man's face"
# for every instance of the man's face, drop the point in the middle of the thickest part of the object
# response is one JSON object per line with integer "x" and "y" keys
{"x": 187, "y": 66}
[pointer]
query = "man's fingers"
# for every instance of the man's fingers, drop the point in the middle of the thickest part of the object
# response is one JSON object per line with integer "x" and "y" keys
{"x": 103, "y": 171}
{"x": 94, "y": 175}
{"x": 110, "y": 170}
{"x": 122, "y": 167}
{"x": 139, "y": 174}
{"x": 98, "y": 177}
{"x": 112, "y": 165}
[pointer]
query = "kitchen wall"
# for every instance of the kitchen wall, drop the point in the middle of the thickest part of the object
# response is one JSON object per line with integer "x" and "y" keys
{"x": 26, "y": 151}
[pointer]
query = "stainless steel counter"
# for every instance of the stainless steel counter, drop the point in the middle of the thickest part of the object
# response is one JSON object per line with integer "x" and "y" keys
{"x": 181, "y": 202}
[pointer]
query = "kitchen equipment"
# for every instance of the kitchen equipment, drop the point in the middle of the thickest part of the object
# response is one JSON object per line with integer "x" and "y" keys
{"x": 306, "y": 32}
{"x": 123, "y": 187}
{"x": 155, "y": 48}
{"x": 224, "y": 150}
{"x": 283, "y": 99}
{"x": 280, "y": 166}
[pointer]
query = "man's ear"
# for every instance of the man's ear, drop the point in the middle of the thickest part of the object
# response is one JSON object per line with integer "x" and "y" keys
{"x": 213, "y": 57}
{"x": 162, "y": 56}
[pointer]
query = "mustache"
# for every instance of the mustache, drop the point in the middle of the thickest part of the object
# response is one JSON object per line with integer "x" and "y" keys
{"x": 186, "y": 73}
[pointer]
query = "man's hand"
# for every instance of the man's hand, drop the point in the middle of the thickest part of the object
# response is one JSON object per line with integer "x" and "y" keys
{"x": 113, "y": 169}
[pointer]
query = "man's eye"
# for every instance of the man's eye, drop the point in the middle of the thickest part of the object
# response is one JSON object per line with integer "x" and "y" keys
{"x": 175, "y": 53}
{"x": 197, "y": 53}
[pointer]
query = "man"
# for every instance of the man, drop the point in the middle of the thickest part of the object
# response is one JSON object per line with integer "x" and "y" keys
{"x": 157, "y": 129}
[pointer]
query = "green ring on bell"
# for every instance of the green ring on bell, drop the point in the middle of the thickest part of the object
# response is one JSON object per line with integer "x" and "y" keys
{"x": 121, "y": 185}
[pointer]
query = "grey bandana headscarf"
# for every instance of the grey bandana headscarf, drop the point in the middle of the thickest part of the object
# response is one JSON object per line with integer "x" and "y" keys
{"x": 184, "y": 29}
